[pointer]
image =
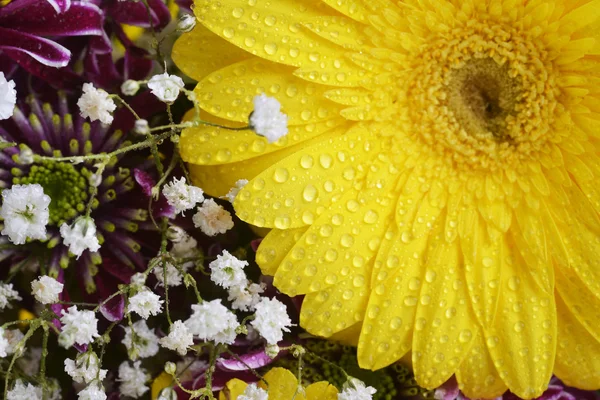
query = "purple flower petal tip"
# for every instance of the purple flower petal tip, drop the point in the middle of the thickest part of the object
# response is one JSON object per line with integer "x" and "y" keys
{"x": 254, "y": 360}
{"x": 144, "y": 180}
{"x": 114, "y": 309}
{"x": 255, "y": 243}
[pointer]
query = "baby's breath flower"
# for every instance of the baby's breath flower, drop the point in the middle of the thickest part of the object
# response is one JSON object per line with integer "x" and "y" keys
{"x": 96, "y": 104}
{"x": 267, "y": 119}
{"x": 212, "y": 218}
{"x": 253, "y": 392}
{"x": 213, "y": 321}
{"x": 79, "y": 327}
{"x": 133, "y": 379}
{"x": 186, "y": 23}
{"x": 46, "y": 289}
{"x": 85, "y": 368}
{"x": 3, "y": 344}
{"x": 80, "y": 236}
{"x": 24, "y": 392}
{"x": 174, "y": 277}
{"x": 141, "y": 127}
{"x": 26, "y": 156}
{"x": 7, "y": 294}
{"x": 228, "y": 271}
{"x": 145, "y": 303}
{"x": 145, "y": 343}
{"x": 245, "y": 298}
{"x": 179, "y": 338}
{"x": 25, "y": 212}
{"x": 14, "y": 337}
{"x": 130, "y": 87}
{"x": 8, "y": 97}
{"x": 94, "y": 391}
{"x": 181, "y": 195}
{"x": 239, "y": 184}
{"x": 167, "y": 394}
{"x": 166, "y": 87}
{"x": 271, "y": 319}
{"x": 355, "y": 389}
{"x": 137, "y": 280}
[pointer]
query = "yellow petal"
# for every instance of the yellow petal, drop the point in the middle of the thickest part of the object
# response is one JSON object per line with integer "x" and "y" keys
{"x": 348, "y": 336}
{"x": 335, "y": 308}
{"x": 522, "y": 339}
{"x": 200, "y": 52}
{"x": 228, "y": 92}
{"x": 283, "y": 385}
{"x": 232, "y": 389}
{"x": 477, "y": 375}
{"x": 342, "y": 31}
{"x": 388, "y": 327}
{"x": 581, "y": 17}
{"x": 578, "y": 353}
{"x": 355, "y": 9}
{"x": 443, "y": 335}
{"x": 162, "y": 381}
{"x": 275, "y": 246}
{"x": 319, "y": 174}
{"x": 321, "y": 391}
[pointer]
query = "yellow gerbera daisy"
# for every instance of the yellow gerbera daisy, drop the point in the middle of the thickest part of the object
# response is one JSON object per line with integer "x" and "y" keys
{"x": 435, "y": 192}
{"x": 283, "y": 385}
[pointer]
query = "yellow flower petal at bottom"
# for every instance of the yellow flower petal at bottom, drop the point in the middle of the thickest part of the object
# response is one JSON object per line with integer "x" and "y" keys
{"x": 576, "y": 362}
{"x": 275, "y": 246}
{"x": 321, "y": 391}
{"x": 232, "y": 389}
{"x": 162, "y": 381}
{"x": 477, "y": 375}
{"x": 348, "y": 336}
{"x": 283, "y": 385}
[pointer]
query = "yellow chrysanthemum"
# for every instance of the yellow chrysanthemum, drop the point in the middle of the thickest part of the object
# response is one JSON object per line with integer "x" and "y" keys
{"x": 283, "y": 385}
{"x": 435, "y": 192}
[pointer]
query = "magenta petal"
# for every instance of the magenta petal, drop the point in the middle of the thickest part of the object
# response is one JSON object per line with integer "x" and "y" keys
{"x": 137, "y": 64}
{"x": 62, "y": 78}
{"x": 144, "y": 180}
{"x": 114, "y": 309}
{"x": 42, "y": 50}
{"x": 60, "y": 6}
{"x": 254, "y": 360}
{"x": 80, "y": 20}
{"x": 100, "y": 44}
{"x": 135, "y": 13}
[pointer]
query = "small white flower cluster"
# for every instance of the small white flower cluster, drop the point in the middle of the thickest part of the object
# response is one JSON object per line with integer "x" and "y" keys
{"x": 46, "y": 289}
{"x": 141, "y": 341}
{"x": 267, "y": 119}
{"x": 24, "y": 392}
{"x": 145, "y": 303}
{"x": 25, "y": 212}
{"x": 166, "y": 87}
{"x": 355, "y": 389}
{"x": 94, "y": 391}
{"x": 79, "y": 327}
{"x": 233, "y": 192}
{"x": 133, "y": 379}
{"x": 8, "y": 97}
{"x": 212, "y": 321}
{"x": 228, "y": 271}
{"x": 7, "y": 294}
{"x": 80, "y": 236}
{"x": 85, "y": 368}
{"x": 271, "y": 320}
{"x": 96, "y": 104}
{"x": 211, "y": 217}
{"x": 253, "y": 392}
{"x": 179, "y": 338}
{"x": 9, "y": 341}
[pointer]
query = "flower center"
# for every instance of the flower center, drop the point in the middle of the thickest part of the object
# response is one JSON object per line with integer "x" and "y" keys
{"x": 66, "y": 185}
{"x": 483, "y": 96}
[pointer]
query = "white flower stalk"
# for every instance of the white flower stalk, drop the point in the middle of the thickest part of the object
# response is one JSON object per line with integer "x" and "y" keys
{"x": 179, "y": 338}
{"x": 212, "y": 218}
{"x": 271, "y": 320}
{"x": 145, "y": 303}
{"x": 211, "y": 320}
{"x": 23, "y": 391}
{"x": 80, "y": 236}
{"x": 94, "y": 391}
{"x": 355, "y": 389}
{"x": 8, "y": 97}
{"x": 228, "y": 271}
{"x": 25, "y": 212}
{"x": 253, "y": 392}
{"x": 85, "y": 368}
{"x": 233, "y": 192}
{"x": 133, "y": 379}
{"x": 166, "y": 87}
{"x": 182, "y": 196}
{"x": 46, "y": 289}
{"x": 145, "y": 342}
{"x": 7, "y": 294}
{"x": 96, "y": 104}
{"x": 267, "y": 119}
{"x": 79, "y": 327}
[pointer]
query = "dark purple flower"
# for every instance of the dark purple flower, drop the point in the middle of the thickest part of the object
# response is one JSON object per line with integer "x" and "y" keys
{"x": 126, "y": 233}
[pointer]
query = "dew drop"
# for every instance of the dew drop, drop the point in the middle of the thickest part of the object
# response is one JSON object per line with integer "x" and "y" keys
{"x": 346, "y": 240}
{"x": 396, "y": 323}
{"x": 370, "y": 217}
{"x": 430, "y": 276}
{"x": 410, "y": 301}
{"x": 414, "y": 284}
{"x": 270, "y": 20}
{"x": 519, "y": 326}
{"x": 310, "y": 270}
{"x": 487, "y": 262}
{"x": 325, "y": 160}
{"x": 465, "y": 336}
{"x": 306, "y": 162}
{"x": 281, "y": 175}
{"x": 282, "y": 222}
{"x": 309, "y": 193}
{"x": 237, "y": 12}
{"x": 228, "y": 33}
{"x": 450, "y": 312}
{"x": 270, "y": 48}
{"x": 513, "y": 283}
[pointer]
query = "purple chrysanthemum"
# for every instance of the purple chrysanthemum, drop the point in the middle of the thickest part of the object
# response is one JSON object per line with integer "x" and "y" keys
{"x": 119, "y": 209}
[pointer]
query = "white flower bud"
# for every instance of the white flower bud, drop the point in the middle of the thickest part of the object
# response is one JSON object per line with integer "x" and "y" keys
{"x": 170, "y": 368}
{"x": 186, "y": 23}
{"x": 141, "y": 127}
{"x": 26, "y": 156}
{"x": 95, "y": 179}
{"x": 130, "y": 87}
{"x": 272, "y": 350}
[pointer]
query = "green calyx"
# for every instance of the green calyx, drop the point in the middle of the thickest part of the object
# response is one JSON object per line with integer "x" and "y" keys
{"x": 66, "y": 185}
